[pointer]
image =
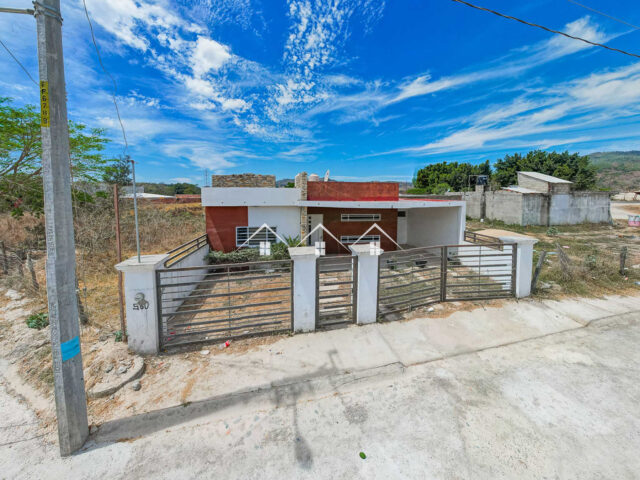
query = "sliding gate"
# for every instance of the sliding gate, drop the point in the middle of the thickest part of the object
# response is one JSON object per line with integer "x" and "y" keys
{"x": 417, "y": 277}
{"x": 220, "y": 302}
{"x": 336, "y": 290}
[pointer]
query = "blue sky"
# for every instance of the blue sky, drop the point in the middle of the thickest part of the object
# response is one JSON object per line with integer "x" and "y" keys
{"x": 367, "y": 89}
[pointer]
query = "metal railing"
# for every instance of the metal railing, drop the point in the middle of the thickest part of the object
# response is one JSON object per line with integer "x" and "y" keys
{"x": 481, "y": 239}
{"x": 185, "y": 250}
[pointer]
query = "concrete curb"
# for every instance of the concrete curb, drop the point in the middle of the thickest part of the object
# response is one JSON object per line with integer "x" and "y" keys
{"x": 104, "y": 389}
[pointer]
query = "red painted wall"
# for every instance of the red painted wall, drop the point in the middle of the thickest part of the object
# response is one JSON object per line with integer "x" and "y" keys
{"x": 349, "y": 191}
{"x": 331, "y": 219}
{"x": 221, "y": 226}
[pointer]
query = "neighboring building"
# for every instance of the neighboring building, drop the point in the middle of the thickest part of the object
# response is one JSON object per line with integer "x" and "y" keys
{"x": 539, "y": 199}
{"x": 237, "y": 205}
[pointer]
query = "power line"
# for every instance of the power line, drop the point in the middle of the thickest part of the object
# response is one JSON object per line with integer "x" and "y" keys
{"x": 18, "y": 62}
{"x": 604, "y": 14}
{"x": 115, "y": 87}
{"x": 546, "y": 29}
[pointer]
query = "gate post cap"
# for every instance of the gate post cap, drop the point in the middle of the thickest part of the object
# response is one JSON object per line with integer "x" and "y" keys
{"x": 147, "y": 263}
{"x": 302, "y": 252}
{"x": 363, "y": 250}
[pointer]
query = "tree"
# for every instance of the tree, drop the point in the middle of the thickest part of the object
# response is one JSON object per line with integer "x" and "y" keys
{"x": 20, "y": 156}
{"x": 119, "y": 172}
{"x": 440, "y": 177}
{"x": 572, "y": 167}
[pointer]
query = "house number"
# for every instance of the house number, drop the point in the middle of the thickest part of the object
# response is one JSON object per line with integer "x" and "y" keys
{"x": 139, "y": 302}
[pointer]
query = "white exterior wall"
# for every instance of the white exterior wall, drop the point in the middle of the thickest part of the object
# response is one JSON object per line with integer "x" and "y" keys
{"x": 249, "y": 196}
{"x": 435, "y": 226}
{"x": 195, "y": 259}
{"x": 285, "y": 219}
{"x": 402, "y": 230}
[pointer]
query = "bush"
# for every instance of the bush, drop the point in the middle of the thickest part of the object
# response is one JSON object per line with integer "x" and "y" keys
{"x": 38, "y": 321}
{"x": 279, "y": 251}
{"x": 118, "y": 334}
{"x": 552, "y": 231}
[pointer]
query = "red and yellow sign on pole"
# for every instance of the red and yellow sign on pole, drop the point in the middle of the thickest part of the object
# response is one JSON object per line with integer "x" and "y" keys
{"x": 44, "y": 104}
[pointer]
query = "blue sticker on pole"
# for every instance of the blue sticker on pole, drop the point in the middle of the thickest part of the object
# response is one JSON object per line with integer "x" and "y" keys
{"x": 70, "y": 348}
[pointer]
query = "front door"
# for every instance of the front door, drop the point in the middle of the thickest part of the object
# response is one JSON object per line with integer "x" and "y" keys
{"x": 314, "y": 220}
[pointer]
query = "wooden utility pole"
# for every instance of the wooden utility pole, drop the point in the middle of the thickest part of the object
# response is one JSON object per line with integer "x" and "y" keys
{"x": 71, "y": 402}
{"x": 116, "y": 204}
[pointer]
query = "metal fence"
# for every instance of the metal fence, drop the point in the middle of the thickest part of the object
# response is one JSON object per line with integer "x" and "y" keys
{"x": 219, "y": 302}
{"x": 480, "y": 272}
{"x": 409, "y": 279}
{"x": 417, "y": 277}
{"x": 336, "y": 294}
{"x": 480, "y": 239}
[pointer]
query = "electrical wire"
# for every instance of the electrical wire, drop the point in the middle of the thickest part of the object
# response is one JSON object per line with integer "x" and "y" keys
{"x": 104, "y": 69}
{"x": 546, "y": 28}
{"x": 18, "y": 62}
{"x": 604, "y": 14}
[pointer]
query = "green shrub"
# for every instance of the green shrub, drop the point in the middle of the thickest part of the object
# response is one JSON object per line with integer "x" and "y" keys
{"x": 38, "y": 320}
{"x": 118, "y": 335}
{"x": 552, "y": 231}
{"x": 279, "y": 251}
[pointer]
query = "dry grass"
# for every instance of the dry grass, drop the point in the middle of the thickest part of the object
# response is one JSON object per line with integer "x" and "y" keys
{"x": 592, "y": 257}
{"x": 162, "y": 227}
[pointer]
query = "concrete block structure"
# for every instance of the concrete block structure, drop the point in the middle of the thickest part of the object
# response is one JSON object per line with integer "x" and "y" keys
{"x": 539, "y": 199}
{"x": 236, "y": 206}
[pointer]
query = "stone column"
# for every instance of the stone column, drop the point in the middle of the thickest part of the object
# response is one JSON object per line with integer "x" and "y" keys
{"x": 141, "y": 302}
{"x": 304, "y": 288}
{"x": 524, "y": 262}
{"x": 301, "y": 183}
{"x": 367, "y": 282}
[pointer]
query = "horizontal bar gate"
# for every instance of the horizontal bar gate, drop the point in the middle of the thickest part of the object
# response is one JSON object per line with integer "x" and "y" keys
{"x": 336, "y": 285}
{"x": 220, "y": 302}
{"x": 417, "y": 277}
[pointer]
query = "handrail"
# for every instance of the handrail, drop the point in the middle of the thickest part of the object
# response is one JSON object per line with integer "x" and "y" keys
{"x": 481, "y": 239}
{"x": 185, "y": 250}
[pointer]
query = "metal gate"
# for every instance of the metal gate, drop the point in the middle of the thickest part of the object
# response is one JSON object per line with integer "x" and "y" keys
{"x": 417, "y": 277}
{"x": 408, "y": 279}
{"x": 336, "y": 285}
{"x": 219, "y": 302}
{"x": 480, "y": 272}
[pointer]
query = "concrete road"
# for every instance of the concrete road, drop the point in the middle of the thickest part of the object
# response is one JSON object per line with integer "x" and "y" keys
{"x": 622, "y": 210}
{"x": 566, "y": 406}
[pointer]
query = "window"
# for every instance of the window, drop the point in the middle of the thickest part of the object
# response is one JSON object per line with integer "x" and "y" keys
{"x": 402, "y": 213}
{"x": 347, "y": 239}
{"x": 360, "y": 217}
{"x": 264, "y": 235}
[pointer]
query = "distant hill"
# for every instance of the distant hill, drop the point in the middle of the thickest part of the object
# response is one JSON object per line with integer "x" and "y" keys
{"x": 283, "y": 182}
{"x": 619, "y": 171}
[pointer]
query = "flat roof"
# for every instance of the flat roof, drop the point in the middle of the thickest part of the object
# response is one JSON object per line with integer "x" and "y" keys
{"x": 395, "y": 204}
{"x": 545, "y": 178}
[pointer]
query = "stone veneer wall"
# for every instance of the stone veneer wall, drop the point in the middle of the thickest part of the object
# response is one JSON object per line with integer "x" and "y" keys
{"x": 301, "y": 183}
{"x": 243, "y": 180}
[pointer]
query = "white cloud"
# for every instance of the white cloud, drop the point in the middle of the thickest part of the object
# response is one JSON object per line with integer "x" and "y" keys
{"x": 208, "y": 55}
{"x": 572, "y": 106}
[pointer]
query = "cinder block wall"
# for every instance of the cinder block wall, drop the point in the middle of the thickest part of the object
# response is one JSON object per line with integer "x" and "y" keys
{"x": 580, "y": 207}
{"x": 243, "y": 180}
{"x": 504, "y": 205}
{"x": 474, "y": 203}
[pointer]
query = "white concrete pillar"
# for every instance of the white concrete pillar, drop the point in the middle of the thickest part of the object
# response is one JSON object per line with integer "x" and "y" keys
{"x": 141, "y": 302}
{"x": 367, "y": 296}
{"x": 304, "y": 288}
{"x": 524, "y": 262}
